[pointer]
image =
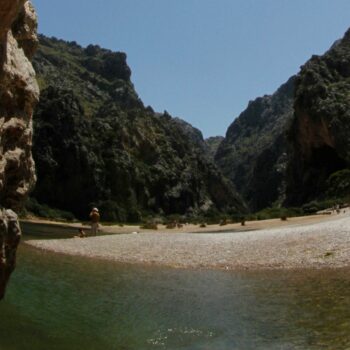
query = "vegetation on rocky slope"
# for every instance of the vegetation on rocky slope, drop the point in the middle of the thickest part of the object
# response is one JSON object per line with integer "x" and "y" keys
{"x": 95, "y": 144}
{"x": 319, "y": 137}
{"x": 107, "y": 149}
{"x": 253, "y": 153}
{"x": 213, "y": 144}
{"x": 304, "y": 126}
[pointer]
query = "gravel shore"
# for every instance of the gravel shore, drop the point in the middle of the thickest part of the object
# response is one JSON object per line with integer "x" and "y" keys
{"x": 315, "y": 245}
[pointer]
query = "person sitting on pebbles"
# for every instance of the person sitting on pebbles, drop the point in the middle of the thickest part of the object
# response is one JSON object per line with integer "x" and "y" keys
{"x": 81, "y": 233}
{"x": 95, "y": 218}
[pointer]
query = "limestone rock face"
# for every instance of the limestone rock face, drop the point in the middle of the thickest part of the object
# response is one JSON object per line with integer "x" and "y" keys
{"x": 24, "y": 29}
{"x": 19, "y": 93}
{"x": 254, "y": 152}
{"x": 319, "y": 136}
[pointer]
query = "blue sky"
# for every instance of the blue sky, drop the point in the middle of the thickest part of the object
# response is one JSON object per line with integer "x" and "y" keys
{"x": 202, "y": 60}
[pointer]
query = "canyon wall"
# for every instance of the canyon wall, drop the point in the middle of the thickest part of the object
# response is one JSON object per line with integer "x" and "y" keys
{"x": 253, "y": 153}
{"x": 319, "y": 136}
{"x": 96, "y": 144}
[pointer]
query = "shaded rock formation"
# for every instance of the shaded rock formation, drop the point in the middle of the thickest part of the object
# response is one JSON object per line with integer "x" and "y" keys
{"x": 10, "y": 235}
{"x": 96, "y": 144}
{"x": 319, "y": 136}
{"x": 18, "y": 95}
{"x": 213, "y": 144}
{"x": 253, "y": 153}
{"x": 193, "y": 134}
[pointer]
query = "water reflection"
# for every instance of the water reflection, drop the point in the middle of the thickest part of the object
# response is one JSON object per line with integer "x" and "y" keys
{"x": 62, "y": 302}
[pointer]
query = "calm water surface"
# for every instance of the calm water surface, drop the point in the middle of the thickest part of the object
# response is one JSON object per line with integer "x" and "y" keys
{"x": 60, "y": 302}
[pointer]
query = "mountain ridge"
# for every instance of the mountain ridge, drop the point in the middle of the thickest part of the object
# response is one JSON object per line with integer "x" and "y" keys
{"x": 130, "y": 161}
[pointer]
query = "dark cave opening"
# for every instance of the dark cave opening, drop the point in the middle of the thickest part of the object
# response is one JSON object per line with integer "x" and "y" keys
{"x": 326, "y": 160}
{"x": 323, "y": 162}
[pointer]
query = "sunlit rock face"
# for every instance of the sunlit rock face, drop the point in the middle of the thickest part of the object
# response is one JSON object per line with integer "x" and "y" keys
{"x": 19, "y": 94}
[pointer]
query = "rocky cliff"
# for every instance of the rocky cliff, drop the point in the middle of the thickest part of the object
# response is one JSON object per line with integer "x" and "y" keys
{"x": 18, "y": 95}
{"x": 95, "y": 143}
{"x": 213, "y": 144}
{"x": 319, "y": 137}
{"x": 253, "y": 153}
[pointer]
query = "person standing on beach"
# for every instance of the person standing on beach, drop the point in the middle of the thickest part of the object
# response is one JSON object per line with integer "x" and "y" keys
{"x": 95, "y": 218}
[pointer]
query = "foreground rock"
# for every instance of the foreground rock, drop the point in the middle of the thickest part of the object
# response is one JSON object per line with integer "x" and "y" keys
{"x": 18, "y": 95}
{"x": 10, "y": 234}
{"x": 318, "y": 245}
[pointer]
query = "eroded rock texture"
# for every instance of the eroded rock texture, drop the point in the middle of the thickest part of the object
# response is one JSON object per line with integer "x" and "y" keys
{"x": 10, "y": 234}
{"x": 19, "y": 93}
{"x": 253, "y": 153}
{"x": 320, "y": 143}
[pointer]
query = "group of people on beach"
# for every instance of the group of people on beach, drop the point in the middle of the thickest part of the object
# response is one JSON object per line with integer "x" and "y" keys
{"x": 94, "y": 218}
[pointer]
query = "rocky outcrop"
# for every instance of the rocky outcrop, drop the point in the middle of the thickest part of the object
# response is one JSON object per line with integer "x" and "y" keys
{"x": 207, "y": 147}
{"x": 319, "y": 136}
{"x": 253, "y": 153}
{"x": 19, "y": 93}
{"x": 193, "y": 134}
{"x": 289, "y": 148}
{"x": 10, "y": 234}
{"x": 96, "y": 144}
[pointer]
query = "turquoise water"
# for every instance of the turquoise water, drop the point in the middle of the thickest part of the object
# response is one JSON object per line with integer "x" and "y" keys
{"x": 60, "y": 302}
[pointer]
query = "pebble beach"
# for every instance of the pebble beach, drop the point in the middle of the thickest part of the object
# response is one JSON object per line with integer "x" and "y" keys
{"x": 323, "y": 244}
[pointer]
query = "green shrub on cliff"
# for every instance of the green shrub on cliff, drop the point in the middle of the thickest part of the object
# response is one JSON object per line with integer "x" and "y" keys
{"x": 338, "y": 184}
{"x": 277, "y": 212}
{"x": 315, "y": 206}
{"x": 43, "y": 211}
